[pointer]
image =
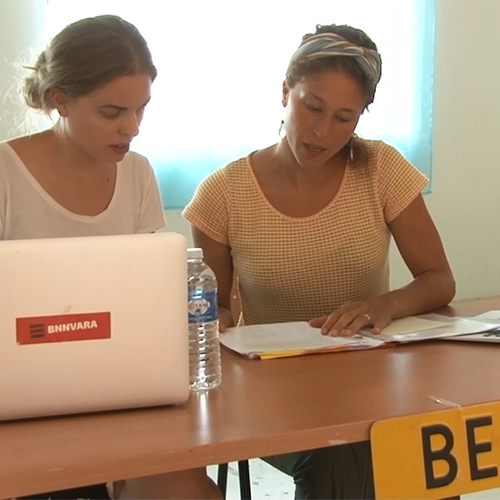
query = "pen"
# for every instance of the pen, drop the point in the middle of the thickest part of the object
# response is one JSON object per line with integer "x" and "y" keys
{"x": 300, "y": 352}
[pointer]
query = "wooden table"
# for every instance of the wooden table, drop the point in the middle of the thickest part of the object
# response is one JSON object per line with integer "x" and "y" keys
{"x": 262, "y": 408}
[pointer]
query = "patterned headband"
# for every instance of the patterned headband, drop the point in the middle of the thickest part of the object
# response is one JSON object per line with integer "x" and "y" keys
{"x": 330, "y": 44}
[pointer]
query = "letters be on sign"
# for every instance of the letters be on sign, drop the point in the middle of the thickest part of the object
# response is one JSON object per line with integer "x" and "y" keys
{"x": 437, "y": 455}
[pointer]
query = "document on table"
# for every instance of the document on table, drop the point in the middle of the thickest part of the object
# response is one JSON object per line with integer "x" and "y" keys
{"x": 491, "y": 318}
{"x": 278, "y": 340}
{"x": 429, "y": 326}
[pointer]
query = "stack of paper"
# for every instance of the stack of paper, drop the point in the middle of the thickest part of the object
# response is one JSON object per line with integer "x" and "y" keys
{"x": 288, "y": 339}
{"x": 279, "y": 340}
{"x": 493, "y": 335}
{"x": 430, "y": 326}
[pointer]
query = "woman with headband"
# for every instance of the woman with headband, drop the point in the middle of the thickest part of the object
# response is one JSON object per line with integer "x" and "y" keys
{"x": 306, "y": 226}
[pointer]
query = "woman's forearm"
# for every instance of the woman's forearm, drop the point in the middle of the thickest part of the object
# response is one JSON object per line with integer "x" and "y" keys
{"x": 426, "y": 293}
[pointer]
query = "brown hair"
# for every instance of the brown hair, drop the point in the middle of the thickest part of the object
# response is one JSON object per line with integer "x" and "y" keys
{"x": 300, "y": 69}
{"x": 84, "y": 56}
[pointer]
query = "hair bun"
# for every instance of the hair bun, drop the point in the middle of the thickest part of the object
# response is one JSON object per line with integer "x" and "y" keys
{"x": 33, "y": 88}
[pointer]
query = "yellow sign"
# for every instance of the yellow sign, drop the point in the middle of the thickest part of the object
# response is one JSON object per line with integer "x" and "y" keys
{"x": 437, "y": 455}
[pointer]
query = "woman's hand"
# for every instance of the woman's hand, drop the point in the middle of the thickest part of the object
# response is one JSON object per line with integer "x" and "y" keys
{"x": 225, "y": 319}
{"x": 352, "y": 316}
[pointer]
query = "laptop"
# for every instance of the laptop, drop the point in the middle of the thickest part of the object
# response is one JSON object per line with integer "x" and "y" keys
{"x": 92, "y": 323}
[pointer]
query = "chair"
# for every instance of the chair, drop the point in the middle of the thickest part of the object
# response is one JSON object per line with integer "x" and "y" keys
{"x": 244, "y": 477}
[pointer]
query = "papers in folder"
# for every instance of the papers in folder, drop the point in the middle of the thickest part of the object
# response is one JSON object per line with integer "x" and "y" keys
{"x": 279, "y": 340}
{"x": 430, "y": 326}
{"x": 490, "y": 336}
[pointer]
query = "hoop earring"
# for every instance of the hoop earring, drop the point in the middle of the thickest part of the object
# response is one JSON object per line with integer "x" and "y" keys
{"x": 351, "y": 150}
{"x": 281, "y": 130}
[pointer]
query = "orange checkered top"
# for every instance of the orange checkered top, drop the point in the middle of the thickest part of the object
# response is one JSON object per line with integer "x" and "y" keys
{"x": 294, "y": 269}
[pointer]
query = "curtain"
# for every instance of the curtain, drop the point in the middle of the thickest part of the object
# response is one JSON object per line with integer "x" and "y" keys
{"x": 221, "y": 66}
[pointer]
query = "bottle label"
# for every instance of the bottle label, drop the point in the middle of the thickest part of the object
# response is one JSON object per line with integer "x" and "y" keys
{"x": 203, "y": 307}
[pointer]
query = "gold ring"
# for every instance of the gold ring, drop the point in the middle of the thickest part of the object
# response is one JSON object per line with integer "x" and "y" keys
{"x": 367, "y": 316}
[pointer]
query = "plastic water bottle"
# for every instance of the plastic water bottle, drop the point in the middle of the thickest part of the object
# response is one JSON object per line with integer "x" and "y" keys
{"x": 204, "y": 349}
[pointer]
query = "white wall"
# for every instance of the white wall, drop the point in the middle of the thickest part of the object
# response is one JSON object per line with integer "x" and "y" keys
{"x": 21, "y": 31}
{"x": 465, "y": 199}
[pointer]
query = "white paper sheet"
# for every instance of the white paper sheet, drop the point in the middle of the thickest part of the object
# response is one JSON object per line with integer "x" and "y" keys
{"x": 489, "y": 315}
{"x": 410, "y": 324}
{"x": 449, "y": 327}
{"x": 491, "y": 318}
{"x": 296, "y": 338}
{"x": 278, "y": 338}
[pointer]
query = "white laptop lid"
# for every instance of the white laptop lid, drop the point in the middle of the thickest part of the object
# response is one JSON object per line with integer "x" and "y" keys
{"x": 92, "y": 323}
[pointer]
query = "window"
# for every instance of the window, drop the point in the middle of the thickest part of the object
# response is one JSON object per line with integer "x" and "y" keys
{"x": 221, "y": 65}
